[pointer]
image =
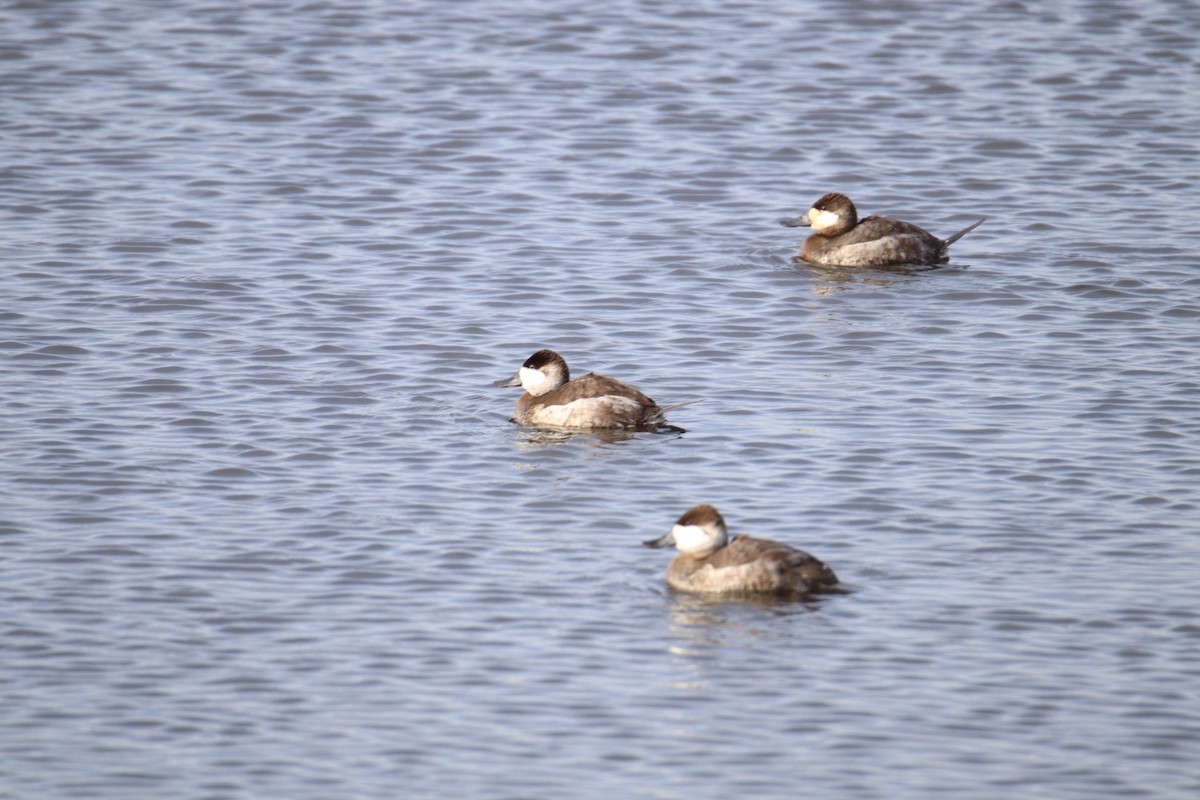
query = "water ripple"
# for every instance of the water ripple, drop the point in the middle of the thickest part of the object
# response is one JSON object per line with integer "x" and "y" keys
{"x": 264, "y": 261}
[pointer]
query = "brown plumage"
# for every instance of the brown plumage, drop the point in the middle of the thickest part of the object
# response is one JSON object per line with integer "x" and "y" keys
{"x": 552, "y": 399}
{"x": 711, "y": 563}
{"x": 840, "y": 239}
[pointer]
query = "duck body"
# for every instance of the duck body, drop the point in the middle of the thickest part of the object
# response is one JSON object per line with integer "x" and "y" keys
{"x": 551, "y": 399}
{"x": 748, "y": 565}
{"x": 875, "y": 242}
{"x": 590, "y": 401}
{"x": 712, "y": 563}
{"x": 841, "y": 239}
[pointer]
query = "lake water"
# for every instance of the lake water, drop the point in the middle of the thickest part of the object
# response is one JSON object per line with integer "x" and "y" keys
{"x": 265, "y": 527}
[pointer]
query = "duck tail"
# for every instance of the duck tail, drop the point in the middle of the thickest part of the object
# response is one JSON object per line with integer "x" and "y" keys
{"x": 964, "y": 232}
{"x": 659, "y": 418}
{"x": 681, "y": 405}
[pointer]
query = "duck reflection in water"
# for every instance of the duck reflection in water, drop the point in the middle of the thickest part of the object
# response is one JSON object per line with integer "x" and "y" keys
{"x": 530, "y": 438}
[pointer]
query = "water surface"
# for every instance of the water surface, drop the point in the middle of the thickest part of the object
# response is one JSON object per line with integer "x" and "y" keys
{"x": 265, "y": 528}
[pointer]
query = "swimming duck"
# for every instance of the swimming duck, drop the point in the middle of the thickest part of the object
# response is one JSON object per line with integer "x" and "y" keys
{"x": 841, "y": 239}
{"x": 552, "y": 399}
{"x": 712, "y": 563}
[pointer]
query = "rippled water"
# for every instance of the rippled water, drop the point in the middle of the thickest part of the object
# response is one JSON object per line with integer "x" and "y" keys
{"x": 265, "y": 530}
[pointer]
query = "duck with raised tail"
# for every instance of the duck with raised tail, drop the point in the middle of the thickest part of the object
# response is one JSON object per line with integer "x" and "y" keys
{"x": 841, "y": 239}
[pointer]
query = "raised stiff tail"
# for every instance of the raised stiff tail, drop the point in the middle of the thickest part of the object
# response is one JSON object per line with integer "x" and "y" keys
{"x": 964, "y": 232}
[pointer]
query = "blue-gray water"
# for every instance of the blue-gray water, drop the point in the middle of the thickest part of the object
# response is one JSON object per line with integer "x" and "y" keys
{"x": 265, "y": 530}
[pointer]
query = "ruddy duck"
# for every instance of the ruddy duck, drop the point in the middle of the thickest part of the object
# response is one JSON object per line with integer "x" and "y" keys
{"x": 593, "y": 401}
{"x": 711, "y": 563}
{"x": 840, "y": 239}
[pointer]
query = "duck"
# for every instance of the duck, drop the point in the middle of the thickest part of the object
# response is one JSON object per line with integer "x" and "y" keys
{"x": 712, "y": 563}
{"x": 552, "y": 399}
{"x": 841, "y": 239}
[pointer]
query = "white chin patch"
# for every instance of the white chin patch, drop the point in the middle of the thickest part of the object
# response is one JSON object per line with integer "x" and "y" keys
{"x": 820, "y": 220}
{"x": 691, "y": 537}
{"x": 532, "y": 380}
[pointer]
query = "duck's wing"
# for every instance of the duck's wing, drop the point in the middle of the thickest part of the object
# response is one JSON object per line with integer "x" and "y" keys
{"x": 744, "y": 566}
{"x": 877, "y": 241}
{"x": 815, "y": 572}
{"x": 594, "y": 385}
{"x": 596, "y": 401}
{"x": 777, "y": 557}
{"x": 873, "y": 228}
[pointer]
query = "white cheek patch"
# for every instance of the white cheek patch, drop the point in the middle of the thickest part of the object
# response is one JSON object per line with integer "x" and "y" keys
{"x": 691, "y": 537}
{"x": 532, "y": 380}
{"x": 820, "y": 220}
